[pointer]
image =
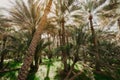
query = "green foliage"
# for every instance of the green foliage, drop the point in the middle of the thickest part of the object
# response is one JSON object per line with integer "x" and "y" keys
{"x": 103, "y": 77}
{"x": 80, "y": 36}
{"x": 33, "y": 76}
{"x": 82, "y": 77}
{"x": 11, "y": 75}
{"x": 47, "y": 78}
{"x": 48, "y": 62}
{"x": 14, "y": 64}
{"x": 42, "y": 45}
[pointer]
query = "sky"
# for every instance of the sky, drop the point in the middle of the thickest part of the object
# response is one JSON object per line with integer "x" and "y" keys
{"x": 4, "y": 3}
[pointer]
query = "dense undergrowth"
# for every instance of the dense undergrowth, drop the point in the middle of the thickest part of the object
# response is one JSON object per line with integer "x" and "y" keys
{"x": 56, "y": 73}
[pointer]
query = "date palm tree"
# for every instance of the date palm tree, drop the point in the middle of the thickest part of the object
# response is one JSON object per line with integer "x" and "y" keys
{"x": 26, "y": 16}
{"x": 88, "y": 11}
{"x": 63, "y": 14}
{"x": 101, "y": 15}
{"x": 31, "y": 50}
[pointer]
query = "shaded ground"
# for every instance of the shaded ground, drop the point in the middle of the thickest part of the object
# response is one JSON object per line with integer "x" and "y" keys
{"x": 54, "y": 69}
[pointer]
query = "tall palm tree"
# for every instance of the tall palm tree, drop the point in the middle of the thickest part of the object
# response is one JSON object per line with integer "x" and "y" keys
{"x": 63, "y": 14}
{"x": 89, "y": 8}
{"x": 26, "y": 15}
{"x": 93, "y": 9}
{"x": 31, "y": 50}
{"x": 95, "y": 42}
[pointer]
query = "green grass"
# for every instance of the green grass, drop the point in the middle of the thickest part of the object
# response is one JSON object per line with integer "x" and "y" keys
{"x": 11, "y": 75}
{"x": 102, "y": 77}
{"x": 53, "y": 75}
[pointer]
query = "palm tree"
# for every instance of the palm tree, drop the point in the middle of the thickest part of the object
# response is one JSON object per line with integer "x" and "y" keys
{"x": 94, "y": 9}
{"x": 26, "y": 17}
{"x": 63, "y": 14}
{"x": 95, "y": 42}
{"x": 31, "y": 50}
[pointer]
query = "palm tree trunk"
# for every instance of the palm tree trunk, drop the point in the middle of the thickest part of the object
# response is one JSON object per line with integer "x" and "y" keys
{"x": 119, "y": 24}
{"x": 70, "y": 71}
{"x": 60, "y": 39}
{"x": 97, "y": 64}
{"x": 3, "y": 53}
{"x": 31, "y": 50}
{"x": 63, "y": 31}
{"x": 36, "y": 65}
{"x": 64, "y": 56}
